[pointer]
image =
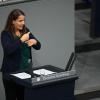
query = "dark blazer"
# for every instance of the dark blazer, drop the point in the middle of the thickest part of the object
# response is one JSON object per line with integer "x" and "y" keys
{"x": 12, "y": 51}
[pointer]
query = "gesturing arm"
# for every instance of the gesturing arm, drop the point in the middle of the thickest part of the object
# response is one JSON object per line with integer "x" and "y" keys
{"x": 9, "y": 44}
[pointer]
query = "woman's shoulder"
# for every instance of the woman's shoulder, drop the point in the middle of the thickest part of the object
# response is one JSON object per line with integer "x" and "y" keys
{"x": 4, "y": 32}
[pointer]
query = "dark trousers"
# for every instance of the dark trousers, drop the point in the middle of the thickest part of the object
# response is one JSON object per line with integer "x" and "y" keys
{"x": 13, "y": 91}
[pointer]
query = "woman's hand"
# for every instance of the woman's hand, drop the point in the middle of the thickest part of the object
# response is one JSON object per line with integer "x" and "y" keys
{"x": 31, "y": 42}
{"x": 25, "y": 37}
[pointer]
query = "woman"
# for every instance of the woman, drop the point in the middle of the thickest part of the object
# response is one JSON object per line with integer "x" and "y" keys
{"x": 16, "y": 42}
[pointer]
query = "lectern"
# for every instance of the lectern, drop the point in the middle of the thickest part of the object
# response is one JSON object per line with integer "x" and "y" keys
{"x": 52, "y": 84}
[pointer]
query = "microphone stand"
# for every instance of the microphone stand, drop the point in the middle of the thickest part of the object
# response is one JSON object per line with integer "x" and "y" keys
{"x": 30, "y": 67}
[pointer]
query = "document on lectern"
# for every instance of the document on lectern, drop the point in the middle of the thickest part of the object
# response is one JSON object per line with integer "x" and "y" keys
{"x": 43, "y": 72}
{"x": 22, "y": 75}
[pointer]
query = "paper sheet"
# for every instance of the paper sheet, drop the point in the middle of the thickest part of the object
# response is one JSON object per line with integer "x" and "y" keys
{"x": 43, "y": 72}
{"x": 22, "y": 75}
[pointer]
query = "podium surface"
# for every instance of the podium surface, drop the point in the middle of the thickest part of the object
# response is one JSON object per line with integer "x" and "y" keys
{"x": 59, "y": 85}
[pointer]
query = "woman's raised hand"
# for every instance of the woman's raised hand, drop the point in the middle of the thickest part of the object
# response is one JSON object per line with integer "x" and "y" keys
{"x": 31, "y": 42}
{"x": 25, "y": 37}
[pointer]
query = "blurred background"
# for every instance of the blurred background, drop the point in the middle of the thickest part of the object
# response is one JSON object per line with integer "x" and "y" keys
{"x": 87, "y": 48}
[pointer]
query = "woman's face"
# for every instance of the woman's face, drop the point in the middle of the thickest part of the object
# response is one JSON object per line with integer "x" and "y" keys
{"x": 19, "y": 22}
